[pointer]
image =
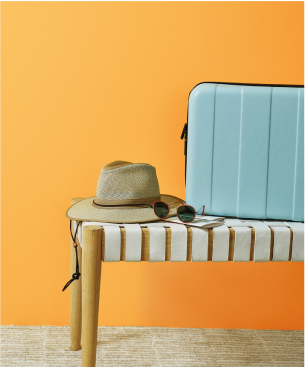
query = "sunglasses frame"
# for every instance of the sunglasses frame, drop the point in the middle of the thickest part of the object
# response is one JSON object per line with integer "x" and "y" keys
{"x": 177, "y": 202}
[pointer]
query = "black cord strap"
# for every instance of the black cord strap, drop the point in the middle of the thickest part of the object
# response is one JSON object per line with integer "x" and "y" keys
{"x": 77, "y": 274}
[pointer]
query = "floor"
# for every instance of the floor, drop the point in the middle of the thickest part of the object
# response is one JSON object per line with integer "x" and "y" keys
{"x": 42, "y": 346}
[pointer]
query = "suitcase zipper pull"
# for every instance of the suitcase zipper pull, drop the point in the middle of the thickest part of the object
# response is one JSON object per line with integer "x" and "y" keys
{"x": 184, "y": 136}
{"x": 184, "y": 131}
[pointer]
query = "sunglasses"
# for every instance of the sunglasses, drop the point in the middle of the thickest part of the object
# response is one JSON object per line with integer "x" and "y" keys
{"x": 185, "y": 213}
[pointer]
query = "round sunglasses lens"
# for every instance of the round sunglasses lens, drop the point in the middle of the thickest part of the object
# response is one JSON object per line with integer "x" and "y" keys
{"x": 161, "y": 209}
{"x": 186, "y": 213}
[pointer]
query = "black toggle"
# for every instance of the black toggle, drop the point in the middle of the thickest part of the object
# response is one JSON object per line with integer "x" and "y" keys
{"x": 74, "y": 277}
{"x": 77, "y": 274}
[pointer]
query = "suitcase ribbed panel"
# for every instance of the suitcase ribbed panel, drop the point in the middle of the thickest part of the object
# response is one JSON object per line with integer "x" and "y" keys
{"x": 298, "y": 207}
{"x": 254, "y": 147}
{"x": 282, "y": 151}
{"x": 245, "y": 151}
{"x": 226, "y": 150}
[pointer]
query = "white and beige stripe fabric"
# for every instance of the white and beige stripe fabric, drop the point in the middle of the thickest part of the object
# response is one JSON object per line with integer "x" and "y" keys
{"x": 242, "y": 243}
{"x": 262, "y": 240}
{"x": 157, "y": 244}
{"x": 112, "y": 244}
{"x": 133, "y": 242}
{"x": 200, "y": 242}
{"x": 221, "y": 235}
{"x": 297, "y": 240}
{"x": 281, "y": 244}
{"x": 178, "y": 242}
{"x": 157, "y": 241}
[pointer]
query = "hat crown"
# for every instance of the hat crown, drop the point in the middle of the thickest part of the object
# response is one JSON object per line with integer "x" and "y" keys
{"x": 121, "y": 181}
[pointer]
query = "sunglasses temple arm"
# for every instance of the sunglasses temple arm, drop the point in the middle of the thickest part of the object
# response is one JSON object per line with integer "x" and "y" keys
{"x": 203, "y": 207}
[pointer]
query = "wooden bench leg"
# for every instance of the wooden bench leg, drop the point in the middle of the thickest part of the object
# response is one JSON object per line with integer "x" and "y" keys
{"x": 91, "y": 274}
{"x": 75, "y": 300}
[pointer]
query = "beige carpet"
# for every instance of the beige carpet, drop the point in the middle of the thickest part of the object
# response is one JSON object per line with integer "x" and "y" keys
{"x": 42, "y": 346}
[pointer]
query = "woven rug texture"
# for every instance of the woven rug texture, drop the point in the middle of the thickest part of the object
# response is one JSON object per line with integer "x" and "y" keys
{"x": 42, "y": 346}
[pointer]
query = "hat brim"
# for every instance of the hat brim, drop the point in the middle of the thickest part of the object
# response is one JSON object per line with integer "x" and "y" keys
{"x": 84, "y": 210}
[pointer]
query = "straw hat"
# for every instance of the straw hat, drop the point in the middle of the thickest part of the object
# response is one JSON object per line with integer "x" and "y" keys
{"x": 125, "y": 193}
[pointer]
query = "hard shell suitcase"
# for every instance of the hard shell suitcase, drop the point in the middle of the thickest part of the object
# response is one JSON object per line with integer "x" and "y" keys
{"x": 244, "y": 147}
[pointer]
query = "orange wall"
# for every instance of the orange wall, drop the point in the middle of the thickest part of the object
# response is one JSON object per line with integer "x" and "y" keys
{"x": 84, "y": 84}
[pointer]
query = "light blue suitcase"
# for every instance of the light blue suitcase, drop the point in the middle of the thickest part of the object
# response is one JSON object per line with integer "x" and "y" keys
{"x": 244, "y": 147}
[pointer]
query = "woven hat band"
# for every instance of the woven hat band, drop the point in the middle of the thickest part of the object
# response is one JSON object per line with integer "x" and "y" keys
{"x": 144, "y": 201}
